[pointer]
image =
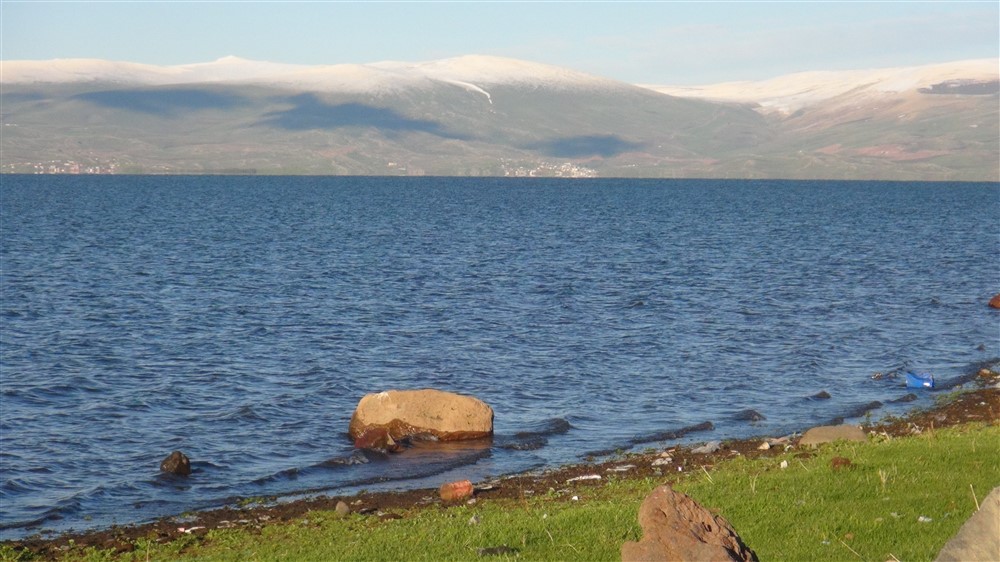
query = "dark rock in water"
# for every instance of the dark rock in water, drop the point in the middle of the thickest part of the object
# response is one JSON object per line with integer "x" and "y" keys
{"x": 652, "y": 437}
{"x": 536, "y": 437}
{"x": 528, "y": 444}
{"x": 554, "y": 426}
{"x": 177, "y": 463}
{"x": 856, "y": 412}
{"x": 821, "y": 395}
{"x": 357, "y": 457}
{"x": 905, "y": 398}
{"x": 675, "y": 527}
{"x": 862, "y": 410}
{"x": 676, "y": 434}
{"x": 749, "y": 415}
{"x": 600, "y": 453}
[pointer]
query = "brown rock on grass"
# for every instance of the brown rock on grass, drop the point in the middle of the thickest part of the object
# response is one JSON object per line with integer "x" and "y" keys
{"x": 456, "y": 491}
{"x": 831, "y": 433}
{"x": 675, "y": 527}
{"x": 979, "y": 538}
{"x": 445, "y": 416}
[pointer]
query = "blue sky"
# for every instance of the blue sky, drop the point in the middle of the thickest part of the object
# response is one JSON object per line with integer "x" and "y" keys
{"x": 639, "y": 42}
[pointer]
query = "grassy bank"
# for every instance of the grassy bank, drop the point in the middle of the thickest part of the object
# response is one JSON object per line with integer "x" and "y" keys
{"x": 900, "y": 497}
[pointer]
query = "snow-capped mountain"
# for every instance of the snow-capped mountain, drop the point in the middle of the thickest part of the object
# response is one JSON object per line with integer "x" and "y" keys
{"x": 484, "y": 115}
{"x": 471, "y": 70}
{"x": 792, "y": 92}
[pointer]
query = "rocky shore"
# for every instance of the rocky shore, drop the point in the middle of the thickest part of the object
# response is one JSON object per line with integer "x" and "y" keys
{"x": 979, "y": 404}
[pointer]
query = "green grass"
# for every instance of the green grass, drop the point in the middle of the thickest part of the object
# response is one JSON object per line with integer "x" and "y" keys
{"x": 869, "y": 511}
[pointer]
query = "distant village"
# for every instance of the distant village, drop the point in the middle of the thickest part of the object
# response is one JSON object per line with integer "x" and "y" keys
{"x": 72, "y": 167}
{"x": 61, "y": 167}
{"x": 547, "y": 169}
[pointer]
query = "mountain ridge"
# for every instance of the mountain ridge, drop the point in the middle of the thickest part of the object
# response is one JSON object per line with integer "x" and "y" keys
{"x": 236, "y": 70}
{"x": 484, "y": 115}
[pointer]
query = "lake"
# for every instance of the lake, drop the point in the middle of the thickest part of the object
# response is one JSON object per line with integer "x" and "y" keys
{"x": 240, "y": 320}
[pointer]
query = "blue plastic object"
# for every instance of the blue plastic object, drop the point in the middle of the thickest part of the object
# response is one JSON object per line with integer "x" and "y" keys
{"x": 914, "y": 380}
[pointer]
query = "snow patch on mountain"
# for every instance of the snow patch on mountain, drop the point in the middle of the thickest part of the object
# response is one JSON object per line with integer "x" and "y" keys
{"x": 472, "y": 72}
{"x": 789, "y": 93}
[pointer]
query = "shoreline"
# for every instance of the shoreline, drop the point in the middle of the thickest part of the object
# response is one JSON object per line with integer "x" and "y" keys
{"x": 978, "y": 403}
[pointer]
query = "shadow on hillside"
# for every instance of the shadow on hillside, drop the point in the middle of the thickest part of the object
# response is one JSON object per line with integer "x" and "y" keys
{"x": 163, "y": 103}
{"x": 585, "y": 145}
{"x": 309, "y": 113}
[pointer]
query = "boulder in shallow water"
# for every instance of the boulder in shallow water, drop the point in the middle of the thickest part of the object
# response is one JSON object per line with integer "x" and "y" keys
{"x": 444, "y": 416}
{"x": 176, "y": 463}
{"x": 749, "y": 415}
{"x": 995, "y": 301}
{"x": 675, "y": 527}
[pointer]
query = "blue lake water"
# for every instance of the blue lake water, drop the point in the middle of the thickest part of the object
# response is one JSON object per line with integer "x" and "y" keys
{"x": 240, "y": 320}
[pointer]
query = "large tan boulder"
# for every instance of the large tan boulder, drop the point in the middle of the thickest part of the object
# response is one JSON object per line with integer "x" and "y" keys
{"x": 830, "y": 433}
{"x": 676, "y": 528}
{"x": 383, "y": 419}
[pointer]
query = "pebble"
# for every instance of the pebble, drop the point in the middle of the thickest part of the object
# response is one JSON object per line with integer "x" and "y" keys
{"x": 764, "y": 446}
{"x": 784, "y": 464}
{"x": 342, "y": 509}
{"x": 662, "y": 461}
{"x": 587, "y": 477}
{"x": 924, "y": 519}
